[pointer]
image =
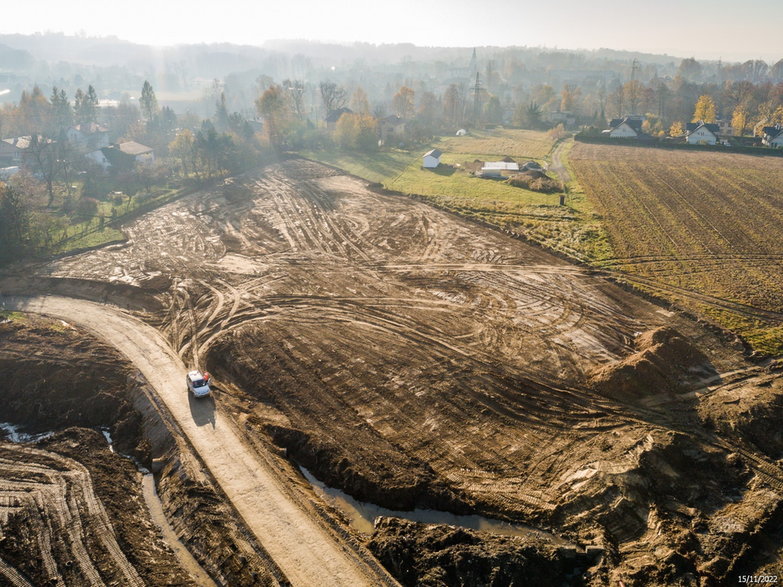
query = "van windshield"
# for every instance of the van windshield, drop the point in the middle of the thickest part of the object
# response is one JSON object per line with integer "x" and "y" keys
{"x": 199, "y": 383}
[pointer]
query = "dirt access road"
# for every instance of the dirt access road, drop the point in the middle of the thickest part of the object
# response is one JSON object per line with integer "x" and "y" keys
{"x": 306, "y": 552}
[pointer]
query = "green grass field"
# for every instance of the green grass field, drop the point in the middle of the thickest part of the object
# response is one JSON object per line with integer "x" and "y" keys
{"x": 572, "y": 229}
{"x": 515, "y": 143}
{"x": 88, "y": 233}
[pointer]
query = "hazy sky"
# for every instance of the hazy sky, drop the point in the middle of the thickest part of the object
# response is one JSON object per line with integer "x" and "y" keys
{"x": 731, "y": 29}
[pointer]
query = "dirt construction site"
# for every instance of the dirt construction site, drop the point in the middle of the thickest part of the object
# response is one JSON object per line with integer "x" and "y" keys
{"x": 400, "y": 354}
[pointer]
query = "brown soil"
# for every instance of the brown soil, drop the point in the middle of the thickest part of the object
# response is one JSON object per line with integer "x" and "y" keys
{"x": 413, "y": 358}
{"x": 666, "y": 362}
{"x": 440, "y": 556}
{"x": 56, "y": 376}
{"x": 125, "y": 551}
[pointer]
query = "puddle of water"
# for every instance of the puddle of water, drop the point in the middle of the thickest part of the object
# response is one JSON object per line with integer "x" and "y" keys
{"x": 107, "y": 436}
{"x": 14, "y": 435}
{"x": 186, "y": 559}
{"x": 361, "y": 515}
{"x": 155, "y": 508}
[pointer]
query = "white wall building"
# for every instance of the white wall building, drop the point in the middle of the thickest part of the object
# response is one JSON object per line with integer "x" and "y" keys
{"x": 431, "y": 159}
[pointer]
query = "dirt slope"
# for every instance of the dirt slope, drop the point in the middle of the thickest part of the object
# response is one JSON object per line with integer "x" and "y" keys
{"x": 306, "y": 552}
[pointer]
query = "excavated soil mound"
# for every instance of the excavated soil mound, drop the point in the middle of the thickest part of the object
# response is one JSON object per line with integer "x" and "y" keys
{"x": 98, "y": 289}
{"x": 79, "y": 516}
{"x": 392, "y": 480}
{"x": 419, "y": 554}
{"x": 751, "y": 409}
{"x": 666, "y": 362}
{"x": 535, "y": 180}
{"x": 55, "y": 376}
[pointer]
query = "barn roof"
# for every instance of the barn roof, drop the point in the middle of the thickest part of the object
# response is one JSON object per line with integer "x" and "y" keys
{"x": 500, "y": 166}
{"x": 434, "y": 153}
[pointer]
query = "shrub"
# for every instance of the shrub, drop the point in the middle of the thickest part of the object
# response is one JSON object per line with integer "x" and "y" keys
{"x": 86, "y": 208}
{"x": 534, "y": 181}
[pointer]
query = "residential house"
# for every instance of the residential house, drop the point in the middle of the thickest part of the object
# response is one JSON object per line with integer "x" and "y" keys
{"x": 567, "y": 119}
{"x": 22, "y": 150}
{"x": 773, "y": 136}
{"x": 701, "y": 133}
{"x": 86, "y": 138}
{"x": 391, "y": 127}
{"x": 498, "y": 168}
{"x": 123, "y": 155}
{"x": 10, "y": 152}
{"x": 629, "y": 127}
{"x": 98, "y": 158}
{"x": 431, "y": 159}
{"x": 334, "y": 116}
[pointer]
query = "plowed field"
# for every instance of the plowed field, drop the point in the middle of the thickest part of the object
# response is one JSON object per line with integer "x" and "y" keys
{"x": 704, "y": 229}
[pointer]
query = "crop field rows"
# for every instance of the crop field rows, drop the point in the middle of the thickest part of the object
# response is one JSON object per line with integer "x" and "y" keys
{"x": 702, "y": 229}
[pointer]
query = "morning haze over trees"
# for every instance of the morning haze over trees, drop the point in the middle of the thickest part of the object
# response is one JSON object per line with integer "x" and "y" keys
{"x": 202, "y": 114}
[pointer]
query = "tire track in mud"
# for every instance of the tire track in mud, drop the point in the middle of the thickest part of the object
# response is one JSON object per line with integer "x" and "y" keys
{"x": 64, "y": 506}
{"x": 13, "y": 576}
{"x": 308, "y": 552}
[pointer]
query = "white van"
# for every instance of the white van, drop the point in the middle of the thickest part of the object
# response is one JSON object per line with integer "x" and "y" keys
{"x": 198, "y": 384}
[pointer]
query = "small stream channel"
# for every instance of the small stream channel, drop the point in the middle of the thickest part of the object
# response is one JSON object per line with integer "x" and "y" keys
{"x": 151, "y": 499}
{"x": 361, "y": 515}
{"x": 155, "y": 508}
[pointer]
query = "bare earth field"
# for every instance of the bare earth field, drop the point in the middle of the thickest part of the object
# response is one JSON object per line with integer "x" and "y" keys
{"x": 413, "y": 358}
{"x": 704, "y": 229}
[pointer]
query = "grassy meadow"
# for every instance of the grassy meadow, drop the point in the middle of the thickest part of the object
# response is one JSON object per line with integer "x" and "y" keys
{"x": 572, "y": 229}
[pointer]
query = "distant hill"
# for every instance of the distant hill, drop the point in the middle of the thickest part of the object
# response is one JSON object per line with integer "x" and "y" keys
{"x": 15, "y": 59}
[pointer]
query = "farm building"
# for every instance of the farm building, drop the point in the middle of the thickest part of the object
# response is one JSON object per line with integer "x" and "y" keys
{"x": 773, "y": 136}
{"x": 629, "y": 127}
{"x": 431, "y": 159}
{"x": 701, "y": 133}
{"x": 531, "y": 166}
{"x": 461, "y": 132}
{"x": 498, "y": 168}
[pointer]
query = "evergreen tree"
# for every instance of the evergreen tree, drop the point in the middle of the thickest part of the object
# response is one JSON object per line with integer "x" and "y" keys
{"x": 148, "y": 102}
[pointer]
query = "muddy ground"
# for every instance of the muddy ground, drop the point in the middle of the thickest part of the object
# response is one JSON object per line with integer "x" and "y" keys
{"x": 71, "y": 509}
{"x": 412, "y": 358}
